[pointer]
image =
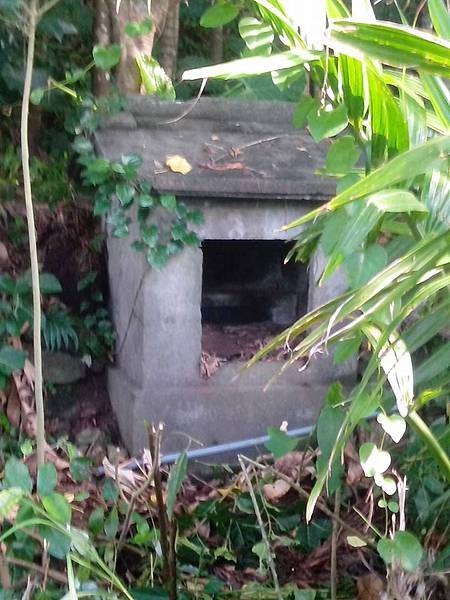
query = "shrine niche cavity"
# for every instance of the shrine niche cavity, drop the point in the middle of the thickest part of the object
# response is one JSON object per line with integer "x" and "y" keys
{"x": 184, "y": 332}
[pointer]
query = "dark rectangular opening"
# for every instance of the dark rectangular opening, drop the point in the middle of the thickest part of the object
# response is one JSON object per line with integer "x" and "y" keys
{"x": 248, "y": 295}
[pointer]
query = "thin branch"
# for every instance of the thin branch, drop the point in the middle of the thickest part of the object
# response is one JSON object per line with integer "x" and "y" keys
{"x": 190, "y": 107}
{"x": 261, "y": 527}
{"x": 134, "y": 498}
{"x": 320, "y": 505}
{"x": 334, "y": 543}
{"x": 30, "y": 566}
{"x": 46, "y": 7}
{"x": 40, "y": 423}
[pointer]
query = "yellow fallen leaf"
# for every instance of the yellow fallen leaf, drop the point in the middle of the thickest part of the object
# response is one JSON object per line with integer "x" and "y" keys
{"x": 355, "y": 541}
{"x": 178, "y": 164}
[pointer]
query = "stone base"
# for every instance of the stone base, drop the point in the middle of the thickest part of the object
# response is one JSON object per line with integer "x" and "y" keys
{"x": 219, "y": 409}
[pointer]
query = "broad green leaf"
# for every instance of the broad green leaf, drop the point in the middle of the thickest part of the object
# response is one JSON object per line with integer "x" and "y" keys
{"x": 218, "y": 15}
{"x": 304, "y": 107}
{"x": 136, "y": 29}
{"x": 439, "y": 96}
{"x": 58, "y": 542}
{"x": 49, "y": 284}
{"x": 47, "y": 479}
{"x": 96, "y": 520}
{"x": 327, "y": 123}
{"x": 389, "y": 129}
{"x": 347, "y": 348}
{"x": 11, "y": 359}
{"x": 106, "y": 57}
{"x": 329, "y": 425}
{"x": 336, "y": 9}
{"x": 111, "y": 525}
{"x": 396, "y": 201}
{"x": 404, "y": 549}
{"x": 17, "y": 475}
{"x": 154, "y": 79}
{"x": 57, "y": 507}
{"x": 176, "y": 478}
{"x": 352, "y": 74}
{"x": 279, "y": 443}
{"x": 436, "y": 364}
{"x": 342, "y": 155}
{"x": 417, "y": 160}
{"x": 373, "y": 460}
{"x": 258, "y": 36}
{"x": 253, "y": 65}
{"x": 9, "y": 499}
{"x": 392, "y": 44}
{"x": 423, "y": 330}
{"x": 362, "y": 266}
{"x": 440, "y": 17}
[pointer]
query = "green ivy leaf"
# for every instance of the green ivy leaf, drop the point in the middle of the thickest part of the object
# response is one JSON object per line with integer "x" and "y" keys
{"x": 11, "y": 359}
{"x": 36, "y": 96}
{"x": 47, "y": 479}
{"x": 81, "y": 468}
{"x": 327, "y": 123}
{"x": 57, "y": 507}
{"x": 58, "y": 542}
{"x": 82, "y": 145}
{"x": 176, "y": 477}
{"x": 125, "y": 193}
{"x": 136, "y": 29}
{"x": 150, "y": 235}
{"x": 218, "y": 15}
{"x": 404, "y": 549}
{"x": 168, "y": 201}
{"x": 106, "y": 57}
{"x": 110, "y": 491}
{"x": 146, "y": 201}
{"x": 342, "y": 155}
{"x": 102, "y": 205}
{"x": 279, "y": 443}
{"x": 49, "y": 284}
{"x": 302, "y": 111}
{"x": 158, "y": 257}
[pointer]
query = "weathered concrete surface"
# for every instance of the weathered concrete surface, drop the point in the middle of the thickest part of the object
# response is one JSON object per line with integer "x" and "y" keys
{"x": 158, "y": 314}
{"x": 276, "y": 160}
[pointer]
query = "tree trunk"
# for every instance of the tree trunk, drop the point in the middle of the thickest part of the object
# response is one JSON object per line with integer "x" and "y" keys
{"x": 217, "y": 45}
{"x": 169, "y": 39}
{"x": 109, "y": 27}
{"x": 102, "y": 36}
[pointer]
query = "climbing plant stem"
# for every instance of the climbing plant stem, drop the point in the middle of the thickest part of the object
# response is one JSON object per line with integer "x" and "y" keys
{"x": 40, "y": 426}
{"x": 431, "y": 442}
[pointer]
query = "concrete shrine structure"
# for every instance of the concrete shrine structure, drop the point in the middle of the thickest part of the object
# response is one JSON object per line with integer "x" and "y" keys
{"x": 235, "y": 283}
